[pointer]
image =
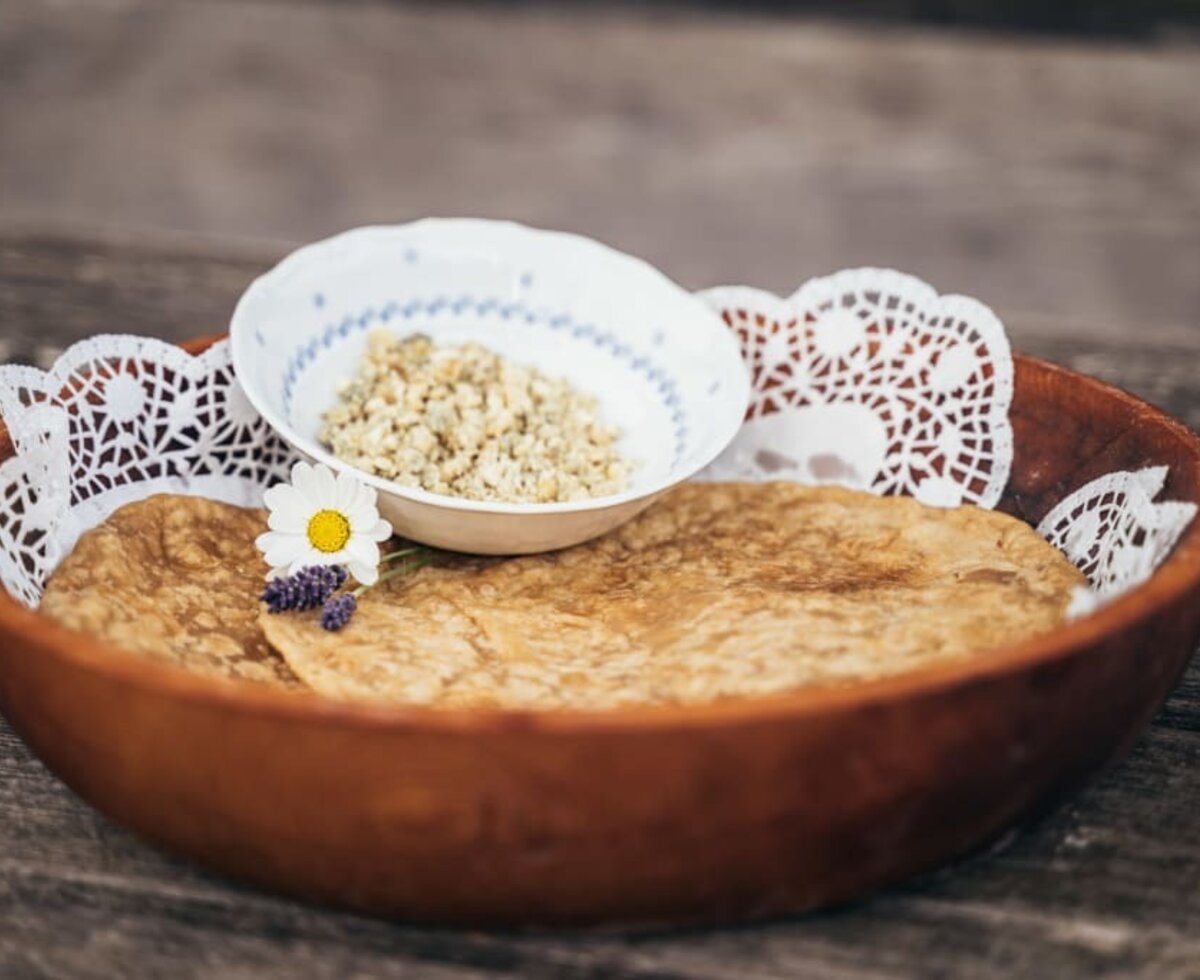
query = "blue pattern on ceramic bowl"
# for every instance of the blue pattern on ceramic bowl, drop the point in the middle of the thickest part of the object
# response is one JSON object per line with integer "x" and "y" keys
{"x": 664, "y": 368}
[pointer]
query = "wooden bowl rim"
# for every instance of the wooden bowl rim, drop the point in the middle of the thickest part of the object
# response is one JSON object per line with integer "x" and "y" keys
{"x": 1179, "y": 574}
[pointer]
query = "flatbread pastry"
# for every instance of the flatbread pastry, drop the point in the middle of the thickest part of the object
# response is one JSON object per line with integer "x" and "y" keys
{"x": 716, "y": 591}
{"x": 173, "y": 578}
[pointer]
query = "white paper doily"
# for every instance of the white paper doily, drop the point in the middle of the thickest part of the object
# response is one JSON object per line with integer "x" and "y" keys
{"x": 869, "y": 379}
{"x": 866, "y": 378}
{"x": 117, "y": 419}
{"x": 1113, "y": 530}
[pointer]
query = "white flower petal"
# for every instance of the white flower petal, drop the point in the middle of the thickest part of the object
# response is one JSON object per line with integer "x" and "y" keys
{"x": 328, "y": 557}
{"x": 287, "y": 522}
{"x": 280, "y": 549}
{"x": 282, "y": 556}
{"x": 349, "y": 493}
{"x": 364, "y": 574}
{"x": 304, "y": 480}
{"x": 310, "y": 556}
{"x": 362, "y": 519}
{"x": 343, "y": 491}
{"x": 380, "y": 532}
{"x": 366, "y": 498}
{"x": 361, "y": 549}
{"x": 289, "y": 511}
{"x": 324, "y": 488}
{"x": 272, "y": 496}
{"x": 268, "y": 539}
{"x": 269, "y": 543}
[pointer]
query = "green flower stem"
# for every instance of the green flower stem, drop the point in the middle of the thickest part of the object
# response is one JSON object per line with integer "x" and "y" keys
{"x": 414, "y": 550}
{"x": 411, "y": 566}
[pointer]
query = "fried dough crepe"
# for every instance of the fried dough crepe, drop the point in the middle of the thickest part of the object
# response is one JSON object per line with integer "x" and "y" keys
{"x": 176, "y": 579}
{"x": 716, "y": 591}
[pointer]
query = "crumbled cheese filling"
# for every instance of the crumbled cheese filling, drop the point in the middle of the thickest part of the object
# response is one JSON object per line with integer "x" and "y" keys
{"x": 466, "y": 422}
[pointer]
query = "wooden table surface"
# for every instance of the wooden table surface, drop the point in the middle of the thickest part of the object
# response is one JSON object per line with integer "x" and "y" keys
{"x": 156, "y": 156}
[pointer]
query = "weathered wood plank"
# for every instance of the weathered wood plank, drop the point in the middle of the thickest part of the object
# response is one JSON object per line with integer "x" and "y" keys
{"x": 54, "y": 291}
{"x": 1057, "y": 177}
{"x": 57, "y": 288}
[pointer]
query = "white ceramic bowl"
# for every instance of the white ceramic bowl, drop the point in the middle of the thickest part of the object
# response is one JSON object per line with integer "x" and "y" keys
{"x": 663, "y": 366}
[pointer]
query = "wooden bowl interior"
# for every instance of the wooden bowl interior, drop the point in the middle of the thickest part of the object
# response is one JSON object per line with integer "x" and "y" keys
{"x": 1069, "y": 429}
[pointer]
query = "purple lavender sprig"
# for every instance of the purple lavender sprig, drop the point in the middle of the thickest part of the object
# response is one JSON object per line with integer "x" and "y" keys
{"x": 306, "y": 589}
{"x": 316, "y": 586}
{"x": 337, "y": 611}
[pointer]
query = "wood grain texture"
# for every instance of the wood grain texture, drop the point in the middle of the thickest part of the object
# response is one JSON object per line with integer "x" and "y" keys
{"x": 1051, "y": 176}
{"x": 1106, "y": 885}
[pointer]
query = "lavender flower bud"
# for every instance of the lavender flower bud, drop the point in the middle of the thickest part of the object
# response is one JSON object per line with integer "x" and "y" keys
{"x": 337, "y": 611}
{"x": 307, "y": 589}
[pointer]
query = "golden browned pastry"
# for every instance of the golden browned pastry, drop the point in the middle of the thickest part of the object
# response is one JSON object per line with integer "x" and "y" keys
{"x": 716, "y": 591}
{"x": 175, "y": 578}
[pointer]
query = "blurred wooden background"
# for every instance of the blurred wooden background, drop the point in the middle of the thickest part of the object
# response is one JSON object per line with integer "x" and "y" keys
{"x": 1057, "y": 179}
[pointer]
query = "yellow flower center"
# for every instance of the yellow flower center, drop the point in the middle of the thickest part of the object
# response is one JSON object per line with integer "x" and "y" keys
{"x": 328, "y": 531}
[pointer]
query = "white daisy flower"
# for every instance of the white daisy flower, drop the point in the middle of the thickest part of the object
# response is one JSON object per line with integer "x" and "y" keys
{"x": 320, "y": 519}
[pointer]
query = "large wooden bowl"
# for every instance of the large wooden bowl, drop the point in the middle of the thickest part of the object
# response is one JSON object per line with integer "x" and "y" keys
{"x": 664, "y": 814}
